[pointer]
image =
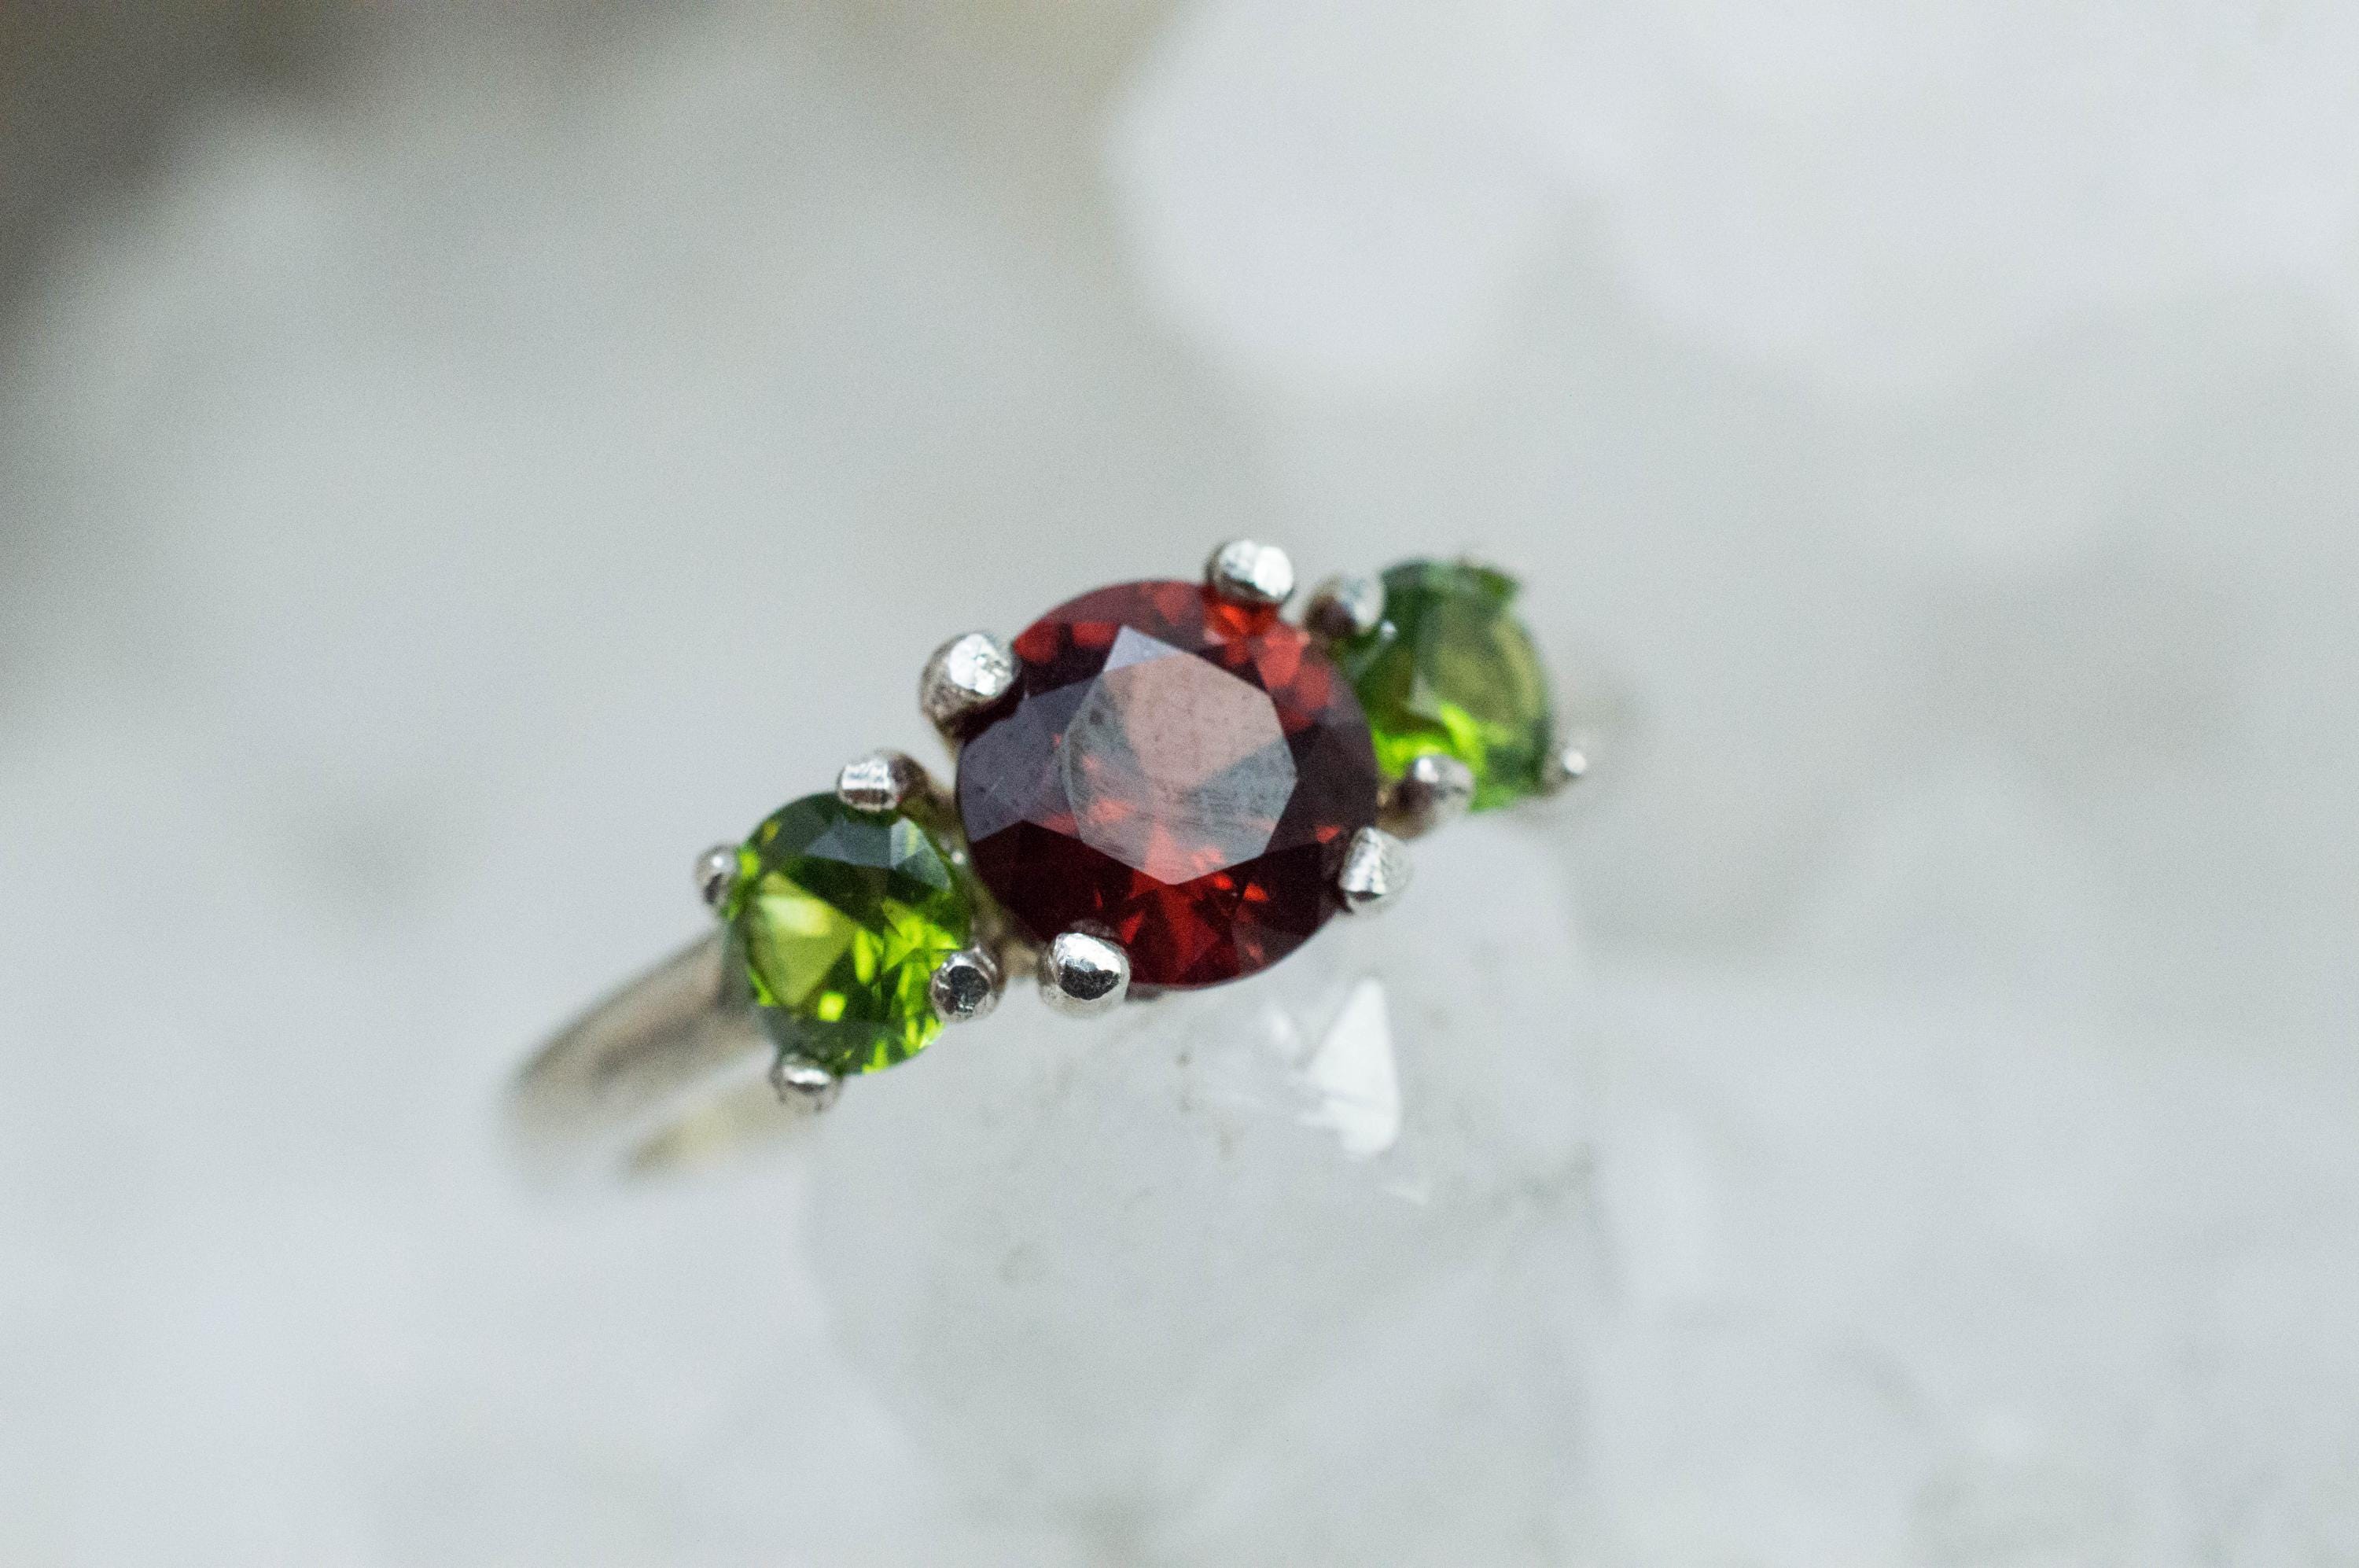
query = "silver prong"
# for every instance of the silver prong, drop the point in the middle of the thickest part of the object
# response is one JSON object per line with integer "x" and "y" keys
{"x": 1244, "y": 572}
{"x": 1568, "y": 765}
{"x": 1376, "y": 871}
{"x": 965, "y": 985}
{"x": 805, "y": 1083}
{"x": 966, "y": 676}
{"x": 1083, "y": 974}
{"x": 1434, "y": 788}
{"x": 880, "y": 781}
{"x": 1347, "y": 606}
{"x": 716, "y": 874}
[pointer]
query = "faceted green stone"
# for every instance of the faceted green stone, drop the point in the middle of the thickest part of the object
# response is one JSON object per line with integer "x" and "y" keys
{"x": 839, "y": 919}
{"x": 1452, "y": 668}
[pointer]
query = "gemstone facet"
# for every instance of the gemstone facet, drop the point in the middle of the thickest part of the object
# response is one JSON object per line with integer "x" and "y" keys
{"x": 1178, "y": 772}
{"x": 1451, "y": 670}
{"x": 838, "y": 921}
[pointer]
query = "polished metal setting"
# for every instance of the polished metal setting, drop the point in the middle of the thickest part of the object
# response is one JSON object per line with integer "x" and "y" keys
{"x": 965, "y": 985}
{"x": 966, "y": 677}
{"x": 800, "y": 1082}
{"x": 1433, "y": 789}
{"x": 716, "y": 874}
{"x": 880, "y": 781}
{"x": 1244, "y": 572}
{"x": 1376, "y": 871}
{"x": 1567, "y": 765}
{"x": 1347, "y": 607}
{"x": 1083, "y": 974}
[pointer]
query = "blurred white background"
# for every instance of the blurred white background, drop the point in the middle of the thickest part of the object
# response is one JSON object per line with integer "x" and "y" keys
{"x": 455, "y": 463}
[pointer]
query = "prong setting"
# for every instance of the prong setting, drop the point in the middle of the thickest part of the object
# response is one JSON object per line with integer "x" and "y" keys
{"x": 1434, "y": 788}
{"x": 881, "y": 782}
{"x": 1084, "y": 975}
{"x": 966, "y": 677}
{"x": 965, "y": 985}
{"x": 804, "y": 1083}
{"x": 1376, "y": 871}
{"x": 1246, "y": 573}
{"x": 716, "y": 874}
{"x": 1345, "y": 606}
{"x": 1567, "y": 765}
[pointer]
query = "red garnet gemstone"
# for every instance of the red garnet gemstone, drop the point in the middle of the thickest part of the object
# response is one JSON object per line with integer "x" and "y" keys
{"x": 1183, "y": 772}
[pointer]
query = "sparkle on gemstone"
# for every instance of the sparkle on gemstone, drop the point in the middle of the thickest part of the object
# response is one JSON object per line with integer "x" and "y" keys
{"x": 1181, "y": 771}
{"x": 839, "y": 919}
{"x": 1451, "y": 670}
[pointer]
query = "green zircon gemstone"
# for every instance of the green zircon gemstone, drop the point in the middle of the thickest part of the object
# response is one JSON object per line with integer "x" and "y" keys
{"x": 839, "y": 919}
{"x": 1451, "y": 670}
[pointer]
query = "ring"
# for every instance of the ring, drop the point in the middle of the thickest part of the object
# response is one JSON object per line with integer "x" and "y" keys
{"x": 1160, "y": 785}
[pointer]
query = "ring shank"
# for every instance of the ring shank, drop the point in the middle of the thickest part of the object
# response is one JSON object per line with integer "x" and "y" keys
{"x": 670, "y": 1070}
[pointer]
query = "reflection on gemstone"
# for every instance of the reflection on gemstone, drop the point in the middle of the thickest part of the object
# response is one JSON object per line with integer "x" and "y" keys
{"x": 1174, "y": 767}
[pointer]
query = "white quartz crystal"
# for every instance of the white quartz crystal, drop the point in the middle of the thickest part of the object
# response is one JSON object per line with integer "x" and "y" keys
{"x": 1207, "y": 1278}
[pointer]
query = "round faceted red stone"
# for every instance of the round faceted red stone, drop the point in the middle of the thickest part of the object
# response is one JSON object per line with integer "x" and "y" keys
{"x": 1180, "y": 771}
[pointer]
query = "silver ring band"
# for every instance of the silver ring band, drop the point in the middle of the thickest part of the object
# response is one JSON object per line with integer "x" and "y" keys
{"x": 667, "y": 1072}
